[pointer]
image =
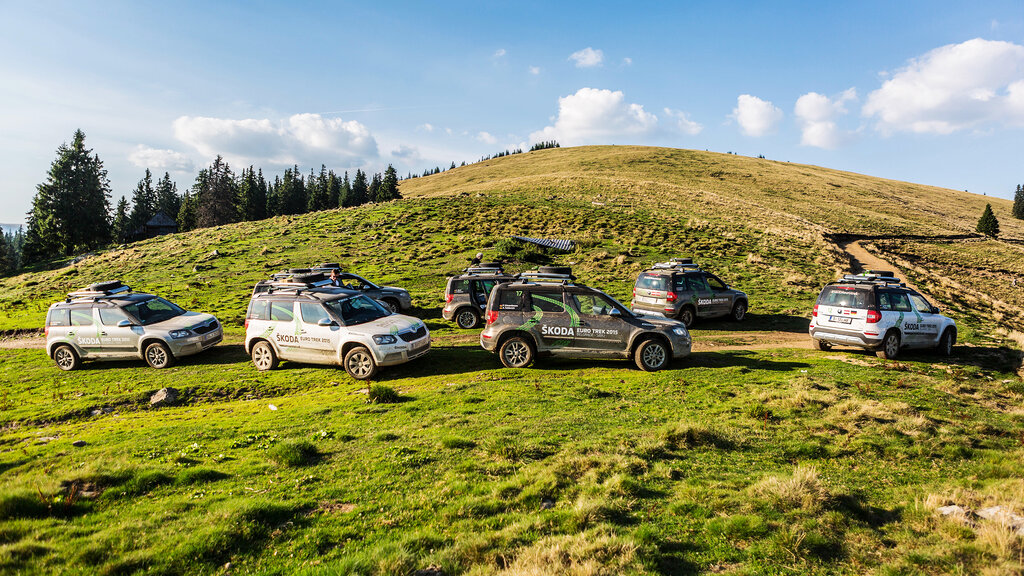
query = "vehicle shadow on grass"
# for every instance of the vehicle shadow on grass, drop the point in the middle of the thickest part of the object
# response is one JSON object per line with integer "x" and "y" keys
{"x": 756, "y": 323}
{"x": 999, "y": 359}
{"x": 726, "y": 359}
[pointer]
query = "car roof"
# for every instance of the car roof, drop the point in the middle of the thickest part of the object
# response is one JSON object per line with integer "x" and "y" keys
{"x": 117, "y": 300}
{"x": 318, "y": 293}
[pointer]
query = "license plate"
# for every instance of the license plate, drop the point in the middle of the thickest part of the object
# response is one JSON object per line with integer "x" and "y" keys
{"x": 209, "y": 336}
{"x": 646, "y": 300}
{"x": 840, "y": 319}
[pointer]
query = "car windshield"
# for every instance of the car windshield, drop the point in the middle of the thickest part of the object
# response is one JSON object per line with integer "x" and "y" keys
{"x": 357, "y": 310}
{"x": 154, "y": 310}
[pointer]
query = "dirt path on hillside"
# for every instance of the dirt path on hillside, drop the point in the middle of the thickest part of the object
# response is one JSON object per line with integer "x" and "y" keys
{"x": 23, "y": 343}
{"x": 862, "y": 260}
{"x": 751, "y": 341}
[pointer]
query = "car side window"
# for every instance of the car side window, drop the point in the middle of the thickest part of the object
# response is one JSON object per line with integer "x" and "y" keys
{"x": 900, "y": 302}
{"x": 258, "y": 310}
{"x": 510, "y": 299}
{"x": 312, "y": 312}
{"x": 111, "y": 316}
{"x": 921, "y": 304}
{"x": 696, "y": 284}
{"x": 547, "y": 301}
{"x": 715, "y": 283}
{"x": 592, "y": 304}
{"x": 81, "y": 316}
{"x": 884, "y": 301}
{"x": 460, "y": 286}
{"x": 59, "y": 317}
{"x": 281, "y": 311}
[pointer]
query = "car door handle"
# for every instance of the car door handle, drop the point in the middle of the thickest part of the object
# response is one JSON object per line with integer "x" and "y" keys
{"x": 103, "y": 333}
{"x": 582, "y": 323}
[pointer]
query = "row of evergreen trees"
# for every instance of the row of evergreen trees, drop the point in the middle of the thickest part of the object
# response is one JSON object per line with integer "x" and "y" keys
{"x": 10, "y": 251}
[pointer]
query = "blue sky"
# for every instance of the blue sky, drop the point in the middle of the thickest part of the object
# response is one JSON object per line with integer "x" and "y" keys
{"x": 929, "y": 92}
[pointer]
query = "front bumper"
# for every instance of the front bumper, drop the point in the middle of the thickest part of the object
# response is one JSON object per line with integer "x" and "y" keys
{"x": 195, "y": 344}
{"x": 393, "y": 354}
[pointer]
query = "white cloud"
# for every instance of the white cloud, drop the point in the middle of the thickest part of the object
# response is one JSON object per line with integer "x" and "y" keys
{"x": 587, "y": 58}
{"x": 407, "y": 153}
{"x": 627, "y": 61}
{"x": 686, "y": 126}
{"x": 160, "y": 160}
{"x": 486, "y": 138}
{"x": 816, "y": 114}
{"x": 954, "y": 87}
{"x": 300, "y": 139}
{"x": 596, "y": 116}
{"x": 426, "y": 127}
{"x": 535, "y": 70}
{"x": 499, "y": 53}
{"x": 756, "y": 117}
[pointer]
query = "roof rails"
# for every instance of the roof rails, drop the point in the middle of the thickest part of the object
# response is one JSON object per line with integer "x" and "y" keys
{"x": 298, "y": 281}
{"x": 677, "y": 264}
{"x": 489, "y": 269}
{"x": 108, "y": 289}
{"x": 883, "y": 277}
{"x": 550, "y": 274}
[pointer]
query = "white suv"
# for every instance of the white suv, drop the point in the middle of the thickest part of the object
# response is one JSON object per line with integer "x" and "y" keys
{"x": 876, "y": 312}
{"x": 304, "y": 320}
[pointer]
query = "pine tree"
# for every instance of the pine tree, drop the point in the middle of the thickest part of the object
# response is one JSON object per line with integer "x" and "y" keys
{"x": 143, "y": 205}
{"x": 374, "y": 187}
{"x": 292, "y": 192}
{"x": 1018, "y": 203}
{"x": 274, "y": 197}
{"x": 345, "y": 193}
{"x": 187, "y": 212}
{"x": 389, "y": 186}
{"x": 988, "y": 224}
{"x": 167, "y": 199}
{"x": 120, "y": 228}
{"x": 333, "y": 190}
{"x": 252, "y": 196}
{"x": 216, "y": 196}
{"x": 6, "y": 266}
{"x": 71, "y": 210}
{"x": 359, "y": 194}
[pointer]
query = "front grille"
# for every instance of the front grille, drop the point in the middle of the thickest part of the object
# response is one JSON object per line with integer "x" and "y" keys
{"x": 206, "y": 327}
{"x": 415, "y": 335}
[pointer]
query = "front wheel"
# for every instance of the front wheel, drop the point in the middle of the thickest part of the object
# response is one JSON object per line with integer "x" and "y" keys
{"x": 359, "y": 363}
{"x": 467, "y": 318}
{"x": 651, "y": 356}
{"x": 739, "y": 311}
{"x": 945, "y": 347}
{"x": 263, "y": 356}
{"x": 687, "y": 316}
{"x": 516, "y": 352}
{"x": 158, "y": 356}
{"x": 66, "y": 358}
{"x": 890, "y": 346}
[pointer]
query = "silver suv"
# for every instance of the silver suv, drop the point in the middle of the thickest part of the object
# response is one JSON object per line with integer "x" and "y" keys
{"x": 303, "y": 319}
{"x": 680, "y": 289}
{"x": 109, "y": 321}
{"x": 548, "y": 313}
{"x": 394, "y": 298}
{"x": 465, "y": 295}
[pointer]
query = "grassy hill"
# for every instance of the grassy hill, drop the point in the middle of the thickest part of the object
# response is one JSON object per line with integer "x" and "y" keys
{"x": 772, "y": 460}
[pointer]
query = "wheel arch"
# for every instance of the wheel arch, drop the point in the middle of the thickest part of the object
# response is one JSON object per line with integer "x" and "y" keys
{"x": 644, "y": 336}
{"x": 510, "y": 333}
{"x": 145, "y": 342}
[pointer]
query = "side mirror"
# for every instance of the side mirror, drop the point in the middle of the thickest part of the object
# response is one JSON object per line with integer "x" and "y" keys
{"x": 124, "y": 324}
{"x": 935, "y": 309}
{"x": 615, "y": 312}
{"x": 326, "y": 322}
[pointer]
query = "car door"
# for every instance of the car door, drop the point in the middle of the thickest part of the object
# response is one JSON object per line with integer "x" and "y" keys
{"x": 319, "y": 343}
{"x": 482, "y": 291}
{"x": 84, "y": 329}
{"x": 285, "y": 329}
{"x": 114, "y": 339}
{"x": 906, "y": 319}
{"x": 600, "y": 327}
{"x": 927, "y": 329}
{"x": 700, "y": 294}
{"x": 552, "y": 324}
{"x": 721, "y": 298}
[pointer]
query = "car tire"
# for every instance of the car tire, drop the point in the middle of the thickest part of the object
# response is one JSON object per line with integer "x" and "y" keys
{"x": 467, "y": 318}
{"x": 820, "y": 345}
{"x": 739, "y": 311}
{"x": 263, "y": 356}
{"x": 652, "y": 355}
{"x": 516, "y": 352}
{"x": 66, "y": 358}
{"x": 159, "y": 356}
{"x": 687, "y": 316}
{"x": 392, "y": 305}
{"x": 946, "y": 342}
{"x": 359, "y": 363}
{"x": 890, "y": 346}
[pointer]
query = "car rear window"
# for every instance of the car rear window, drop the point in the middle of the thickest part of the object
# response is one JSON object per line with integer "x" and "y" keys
{"x": 510, "y": 299}
{"x": 258, "y": 310}
{"x": 652, "y": 282}
{"x": 846, "y": 297}
{"x": 59, "y": 317}
{"x": 458, "y": 287}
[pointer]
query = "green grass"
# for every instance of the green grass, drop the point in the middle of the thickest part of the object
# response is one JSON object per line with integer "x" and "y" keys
{"x": 772, "y": 461}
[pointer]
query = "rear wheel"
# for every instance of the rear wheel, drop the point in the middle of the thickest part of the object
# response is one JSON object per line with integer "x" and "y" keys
{"x": 66, "y": 358}
{"x": 516, "y": 352}
{"x": 739, "y": 311}
{"x": 467, "y": 318}
{"x": 821, "y": 345}
{"x": 263, "y": 356}
{"x": 651, "y": 355}
{"x": 359, "y": 363}
{"x": 945, "y": 347}
{"x": 158, "y": 356}
{"x": 687, "y": 316}
{"x": 890, "y": 346}
{"x": 392, "y": 305}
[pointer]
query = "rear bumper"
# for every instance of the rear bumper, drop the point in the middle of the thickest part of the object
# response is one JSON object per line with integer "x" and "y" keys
{"x": 845, "y": 337}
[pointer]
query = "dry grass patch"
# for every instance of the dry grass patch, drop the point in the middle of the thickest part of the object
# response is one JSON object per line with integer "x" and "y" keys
{"x": 803, "y": 489}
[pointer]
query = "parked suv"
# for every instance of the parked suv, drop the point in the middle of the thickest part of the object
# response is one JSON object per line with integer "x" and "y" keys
{"x": 548, "y": 313}
{"x": 876, "y": 312}
{"x": 109, "y": 321}
{"x": 465, "y": 295}
{"x": 394, "y": 298}
{"x": 303, "y": 319}
{"x": 680, "y": 289}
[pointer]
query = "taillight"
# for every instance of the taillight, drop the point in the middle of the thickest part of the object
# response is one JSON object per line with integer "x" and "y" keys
{"x": 634, "y": 292}
{"x": 246, "y": 323}
{"x": 46, "y": 331}
{"x": 492, "y": 316}
{"x": 670, "y": 296}
{"x": 815, "y": 313}
{"x": 448, "y": 297}
{"x": 874, "y": 316}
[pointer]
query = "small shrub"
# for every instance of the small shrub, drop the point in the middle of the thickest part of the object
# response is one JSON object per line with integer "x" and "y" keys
{"x": 380, "y": 394}
{"x": 456, "y": 443}
{"x": 294, "y": 453}
{"x": 386, "y": 437}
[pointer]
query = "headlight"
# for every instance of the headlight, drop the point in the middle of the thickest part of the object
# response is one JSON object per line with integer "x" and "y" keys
{"x": 384, "y": 339}
{"x": 176, "y": 334}
{"x": 680, "y": 331}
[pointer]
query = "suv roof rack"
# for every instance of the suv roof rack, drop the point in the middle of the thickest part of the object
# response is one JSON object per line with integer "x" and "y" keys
{"x": 677, "y": 263}
{"x": 108, "y": 289}
{"x": 553, "y": 277}
{"x": 883, "y": 277}
{"x": 297, "y": 282}
{"x": 481, "y": 269}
